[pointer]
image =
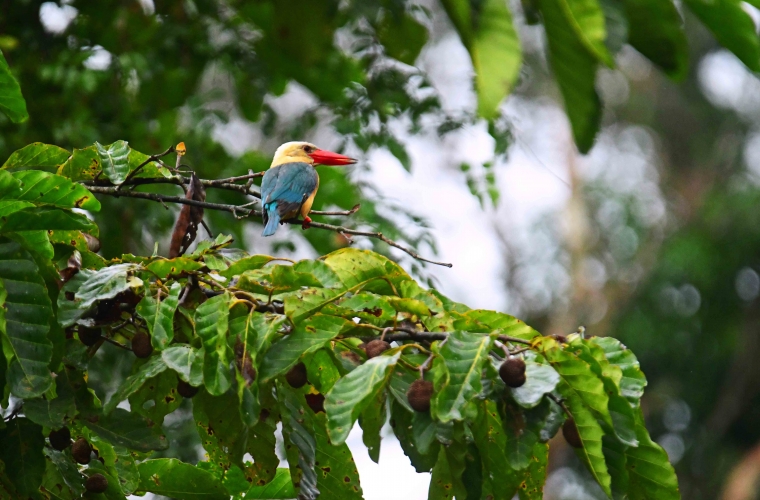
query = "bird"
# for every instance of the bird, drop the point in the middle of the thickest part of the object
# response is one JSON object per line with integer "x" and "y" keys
{"x": 290, "y": 185}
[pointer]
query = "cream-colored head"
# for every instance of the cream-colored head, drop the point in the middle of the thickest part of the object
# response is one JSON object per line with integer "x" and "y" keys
{"x": 294, "y": 151}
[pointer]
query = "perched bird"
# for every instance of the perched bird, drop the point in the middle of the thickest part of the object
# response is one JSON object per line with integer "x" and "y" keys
{"x": 290, "y": 185}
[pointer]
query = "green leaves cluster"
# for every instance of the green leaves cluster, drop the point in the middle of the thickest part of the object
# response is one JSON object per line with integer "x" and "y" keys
{"x": 233, "y": 332}
{"x": 584, "y": 35}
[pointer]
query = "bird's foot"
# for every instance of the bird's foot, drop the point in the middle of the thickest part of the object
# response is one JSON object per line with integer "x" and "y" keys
{"x": 306, "y": 224}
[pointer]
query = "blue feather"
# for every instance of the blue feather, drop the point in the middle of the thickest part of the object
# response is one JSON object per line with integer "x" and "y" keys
{"x": 273, "y": 217}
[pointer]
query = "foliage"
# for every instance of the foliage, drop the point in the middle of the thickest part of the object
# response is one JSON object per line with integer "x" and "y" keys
{"x": 228, "y": 330}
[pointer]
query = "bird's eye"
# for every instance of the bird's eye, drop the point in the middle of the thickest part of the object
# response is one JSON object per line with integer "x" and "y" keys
{"x": 309, "y": 149}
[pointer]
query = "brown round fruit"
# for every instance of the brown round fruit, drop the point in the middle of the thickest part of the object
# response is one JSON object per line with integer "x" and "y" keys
{"x": 89, "y": 336}
{"x": 296, "y": 377}
{"x": 97, "y": 483}
{"x": 81, "y": 451}
{"x": 60, "y": 439}
{"x": 419, "y": 395}
{"x": 512, "y": 372}
{"x": 570, "y": 432}
{"x": 376, "y": 348}
{"x": 141, "y": 345}
{"x": 186, "y": 390}
{"x": 316, "y": 402}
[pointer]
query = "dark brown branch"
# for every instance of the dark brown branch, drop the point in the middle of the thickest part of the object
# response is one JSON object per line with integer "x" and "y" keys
{"x": 150, "y": 159}
{"x": 411, "y": 334}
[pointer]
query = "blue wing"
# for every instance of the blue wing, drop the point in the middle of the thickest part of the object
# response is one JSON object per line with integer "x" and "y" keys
{"x": 288, "y": 185}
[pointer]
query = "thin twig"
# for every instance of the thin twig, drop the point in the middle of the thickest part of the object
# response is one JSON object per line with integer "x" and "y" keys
{"x": 560, "y": 403}
{"x": 150, "y": 159}
{"x": 112, "y": 341}
{"x": 370, "y": 234}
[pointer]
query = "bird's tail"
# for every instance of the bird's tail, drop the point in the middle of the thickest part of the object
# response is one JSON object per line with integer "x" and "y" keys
{"x": 273, "y": 219}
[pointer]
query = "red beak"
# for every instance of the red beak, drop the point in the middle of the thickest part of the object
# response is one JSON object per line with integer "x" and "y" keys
{"x": 322, "y": 157}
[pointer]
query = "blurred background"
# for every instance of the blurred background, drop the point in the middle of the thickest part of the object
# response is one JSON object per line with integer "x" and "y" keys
{"x": 653, "y": 237}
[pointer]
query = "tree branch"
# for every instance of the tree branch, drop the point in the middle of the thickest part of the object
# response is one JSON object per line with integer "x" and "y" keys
{"x": 241, "y": 211}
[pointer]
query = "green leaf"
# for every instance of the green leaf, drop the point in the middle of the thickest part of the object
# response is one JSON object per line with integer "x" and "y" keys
{"x": 614, "y": 457}
{"x": 68, "y": 475}
{"x": 446, "y": 480}
{"x": 370, "y": 270}
{"x": 52, "y": 412}
{"x": 305, "y": 303}
{"x": 321, "y": 370}
{"x": 249, "y": 263}
{"x": 175, "y": 479}
{"x": 586, "y": 17}
{"x": 461, "y": 361}
{"x": 506, "y": 324}
{"x": 732, "y": 27}
{"x": 575, "y": 69}
{"x": 590, "y": 433}
{"x": 43, "y": 188}
{"x": 37, "y": 155}
{"x": 371, "y": 421}
{"x": 489, "y": 36}
{"x": 354, "y": 392}
{"x": 164, "y": 268}
{"x": 220, "y": 428}
{"x": 369, "y": 307}
{"x": 655, "y": 29}
{"x": 337, "y": 477}
{"x": 308, "y": 336}
{"x": 106, "y": 283}
{"x": 25, "y": 325}
{"x": 83, "y": 164}
{"x": 650, "y": 473}
{"x": 539, "y": 380}
{"x": 402, "y": 37}
{"x": 412, "y": 431}
{"x": 186, "y": 361}
{"x": 300, "y": 442}
{"x": 281, "y": 487}
{"x": 488, "y": 432}
{"x": 157, "y": 397}
{"x": 22, "y": 454}
{"x": 319, "y": 270}
{"x": 12, "y": 102}
{"x": 620, "y": 410}
{"x": 47, "y": 219}
{"x": 579, "y": 379}
{"x": 211, "y": 321}
{"x": 159, "y": 315}
{"x": 633, "y": 380}
{"x": 123, "y": 428}
{"x": 534, "y": 477}
{"x": 153, "y": 367}
{"x": 114, "y": 160}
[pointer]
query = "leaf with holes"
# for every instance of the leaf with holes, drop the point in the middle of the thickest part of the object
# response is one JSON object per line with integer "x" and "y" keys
{"x": 175, "y": 479}
{"x": 150, "y": 369}
{"x": 337, "y": 476}
{"x": 281, "y": 487}
{"x": 300, "y": 442}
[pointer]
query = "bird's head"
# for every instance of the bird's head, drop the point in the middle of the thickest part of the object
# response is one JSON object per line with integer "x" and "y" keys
{"x": 308, "y": 153}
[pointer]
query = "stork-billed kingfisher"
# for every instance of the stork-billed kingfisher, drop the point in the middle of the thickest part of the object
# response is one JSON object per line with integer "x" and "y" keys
{"x": 290, "y": 185}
